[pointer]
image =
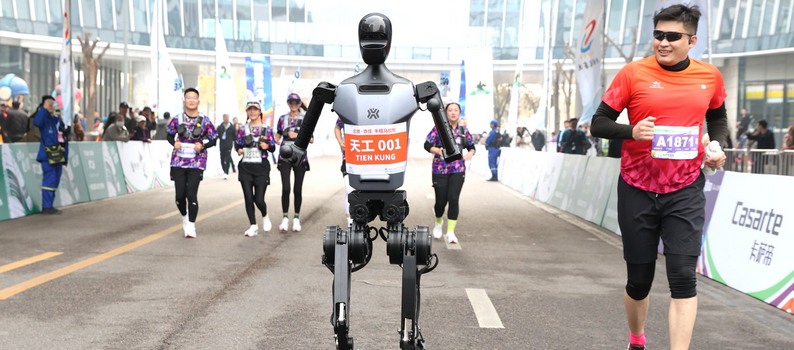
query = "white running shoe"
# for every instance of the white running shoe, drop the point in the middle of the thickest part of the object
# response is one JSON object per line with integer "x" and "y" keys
{"x": 451, "y": 238}
{"x": 225, "y": 176}
{"x": 296, "y": 225}
{"x": 437, "y": 233}
{"x": 284, "y": 224}
{"x": 252, "y": 231}
{"x": 190, "y": 230}
{"x": 185, "y": 221}
{"x": 266, "y": 225}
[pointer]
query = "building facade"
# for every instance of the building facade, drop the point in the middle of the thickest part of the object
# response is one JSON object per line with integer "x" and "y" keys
{"x": 751, "y": 41}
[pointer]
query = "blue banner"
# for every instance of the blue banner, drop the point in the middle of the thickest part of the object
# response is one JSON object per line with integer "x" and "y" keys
{"x": 259, "y": 84}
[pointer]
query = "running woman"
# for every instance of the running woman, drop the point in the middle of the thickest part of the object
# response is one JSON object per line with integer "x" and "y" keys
{"x": 253, "y": 142}
{"x": 191, "y": 133}
{"x": 448, "y": 177}
{"x": 286, "y": 132}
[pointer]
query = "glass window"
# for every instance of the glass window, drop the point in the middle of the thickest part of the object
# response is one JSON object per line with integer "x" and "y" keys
{"x": 41, "y": 11}
{"x": 243, "y": 20}
{"x": 75, "y": 15}
{"x": 739, "y": 21}
{"x": 755, "y": 18}
{"x": 191, "y": 18}
{"x": 23, "y": 9}
{"x": 56, "y": 12}
{"x": 8, "y": 9}
{"x": 279, "y": 10}
{"x": 106, "y": 14}
{"x": 477, "y": 13}
{"x": 174, "y": 18}
{"x": 728, "y": 15}
{"x": 783, "y": 16}
{"x": 139, "y": 21}
{"x": 614, "y": 18}
{"x": 120, "y": 15}
{"x": 632, "y": 20}
{"x": 297, "y": 11}
{"x": 208, "y": 19}
{"x": 766, "y": 24}
{"x": 225, "y": 9}
{"x": 89, "y": 13}
{"x": 261, "y": 25}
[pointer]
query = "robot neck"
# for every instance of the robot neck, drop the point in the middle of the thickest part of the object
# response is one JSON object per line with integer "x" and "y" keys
{"x": 377, "y": 73}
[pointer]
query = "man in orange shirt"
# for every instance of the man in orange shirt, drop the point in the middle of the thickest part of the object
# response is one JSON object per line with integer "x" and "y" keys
{"x": 660, "y": 189}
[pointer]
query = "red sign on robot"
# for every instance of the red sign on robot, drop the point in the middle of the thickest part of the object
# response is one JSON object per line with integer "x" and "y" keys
{"x": 376, "y": 149}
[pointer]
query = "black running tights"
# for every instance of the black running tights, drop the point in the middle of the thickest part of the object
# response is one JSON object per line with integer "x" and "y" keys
{"x": 285, "y": 187}
{"x": 254, "y": 193}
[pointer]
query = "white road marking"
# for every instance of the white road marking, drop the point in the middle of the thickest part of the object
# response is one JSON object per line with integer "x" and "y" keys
{"x": 166, "y": 216}
{"x": 483, "y": 309}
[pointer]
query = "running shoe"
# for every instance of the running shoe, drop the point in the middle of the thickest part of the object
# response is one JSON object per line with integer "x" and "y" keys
{"x": 284, "y": 224}
{"x": 636, "y": 347}
{"x": 437, "y": 231}
{"x": 296, "y": 225}
{"x": 451, "y": 238}
{"x": 185, "y": 222}
{"x": 190, "y": 230}
{"x": 266, "y": 225}
{"x": 252, "y": 231}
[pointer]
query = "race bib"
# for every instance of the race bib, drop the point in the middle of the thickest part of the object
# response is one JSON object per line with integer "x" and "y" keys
{"x": 376, "y": 149}
{"x": 186, "y": 151}
{"x": 252, "y": 155}
{"x": 675, "y": 142}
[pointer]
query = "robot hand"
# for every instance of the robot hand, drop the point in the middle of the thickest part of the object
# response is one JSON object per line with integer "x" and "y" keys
{"x": 292, "y": 154}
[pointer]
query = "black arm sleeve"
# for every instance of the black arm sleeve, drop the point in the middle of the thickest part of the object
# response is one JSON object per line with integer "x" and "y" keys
{"x": 428, "y": 145}
{"x": 170, "y": 138}
{"x": 604, "y": 125}
{"x": 717, "y": 124}
{"x": 210, "y": 143}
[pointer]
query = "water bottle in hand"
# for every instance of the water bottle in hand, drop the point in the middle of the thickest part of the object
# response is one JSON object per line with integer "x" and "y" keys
{"x": 712, "y": 150}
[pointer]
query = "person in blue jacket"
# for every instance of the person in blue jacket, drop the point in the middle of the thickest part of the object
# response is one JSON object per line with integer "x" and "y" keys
{"x": 492, "y": 143}
{"x": 53, "y": 151}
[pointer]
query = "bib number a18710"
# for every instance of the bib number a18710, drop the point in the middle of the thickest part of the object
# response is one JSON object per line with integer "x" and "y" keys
{"x": 675, "y": 142}
{"x": 376, "y": 149}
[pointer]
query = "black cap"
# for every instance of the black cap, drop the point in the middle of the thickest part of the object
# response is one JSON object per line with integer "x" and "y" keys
{"x": 124, "y": 105}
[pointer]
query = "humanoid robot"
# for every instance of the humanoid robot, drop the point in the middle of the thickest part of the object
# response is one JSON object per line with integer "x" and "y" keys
{"x": 376, "y": 107}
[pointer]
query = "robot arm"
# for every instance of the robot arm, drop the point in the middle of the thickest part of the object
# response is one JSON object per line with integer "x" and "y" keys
{"x": 323, "y": 94}
{"x": 428, "y": 93}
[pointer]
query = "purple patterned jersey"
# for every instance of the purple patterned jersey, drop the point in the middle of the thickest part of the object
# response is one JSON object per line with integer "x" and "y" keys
{"x": 462, "y": 138}
{"x": 186, "y": 156}
{"x": 283, "y": 128}
{"x": 256, "y": 132}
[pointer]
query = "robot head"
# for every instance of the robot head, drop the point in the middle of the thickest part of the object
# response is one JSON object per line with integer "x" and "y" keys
{"x": 374, "y": 38}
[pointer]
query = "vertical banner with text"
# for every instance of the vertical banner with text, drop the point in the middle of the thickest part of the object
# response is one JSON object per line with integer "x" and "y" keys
{"x": 259, "y": 85}
{"x": 589, "y": 53}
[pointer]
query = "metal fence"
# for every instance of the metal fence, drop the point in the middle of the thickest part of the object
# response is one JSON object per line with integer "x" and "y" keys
{"x": 760, "y": 161}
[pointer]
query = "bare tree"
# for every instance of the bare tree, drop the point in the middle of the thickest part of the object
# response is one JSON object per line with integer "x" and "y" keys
{"x": 565, "y": 78}
{"x": 90, "y": 66}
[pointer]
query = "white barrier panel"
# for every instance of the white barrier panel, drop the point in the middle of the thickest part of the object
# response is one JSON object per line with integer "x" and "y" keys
{"x": 571, "y": 173}
{"x": 136, "y": 162}
{"x": 160, "y": 152}
{"x": 590, "y": 195}
{"x": 749, "y": 244}
{"x": 547, "y": 183}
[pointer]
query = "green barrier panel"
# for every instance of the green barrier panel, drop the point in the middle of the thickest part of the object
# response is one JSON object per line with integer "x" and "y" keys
{"x": 29, "y": 170}
{"x": 573, "y": 167}
{"x": 610, "y": 220}
{"x": 161, "y": 160}
{"x": 137, "y": 166}
{"x": 4, "y": 215}
{"x": 547, "y": 181}
{"x": 114, "y": 175}
{"x": 20, "y": 202}
{"x": 591, "y": 193}
{"x": 72, "y": 188}
{"x": 92, "y": 156}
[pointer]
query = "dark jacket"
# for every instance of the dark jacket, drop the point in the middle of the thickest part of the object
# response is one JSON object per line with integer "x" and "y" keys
{"x": 765, "y": 140}
{"x": 230, "y": 134}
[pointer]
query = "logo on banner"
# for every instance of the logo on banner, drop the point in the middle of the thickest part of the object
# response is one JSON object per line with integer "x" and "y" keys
{"x": 587, "y": 39}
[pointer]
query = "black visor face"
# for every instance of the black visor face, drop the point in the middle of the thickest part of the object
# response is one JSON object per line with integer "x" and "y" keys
{"x": 671, "y": 36}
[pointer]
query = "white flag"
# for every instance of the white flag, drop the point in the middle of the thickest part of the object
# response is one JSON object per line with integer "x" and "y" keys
{"x": 67, "y": 88}
{"x": 225, "y": 94}
{"x": 168, "y": 93}
{"x": 703, "y": 25}
{"x": 589, "y": 53}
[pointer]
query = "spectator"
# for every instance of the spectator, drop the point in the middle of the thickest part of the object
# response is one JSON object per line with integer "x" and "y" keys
{"x": 764, "y": 139}
{"x": 538, "y": 139}
{"x": 77, "y": 128}
{"x": 142, "y": 132}
{"x": 492, "y": 144}
{"x": 228, "y": 134}
{"x": 788, "y": 140}
{"x": 53, "y": 151}
{"x": 523, "y": 137}
{"x": 565, "y": 126}
{"x": 126, "y": 117}
{"x": 151, "y": 121}
{"x": 160, "y": 132}
{"x": 33, "y": 133}
{"x": 115, "y": 130}
{"x": 573, "y": 140}
{"x": 15, "y": 123}
{"x": 742, "y": 125}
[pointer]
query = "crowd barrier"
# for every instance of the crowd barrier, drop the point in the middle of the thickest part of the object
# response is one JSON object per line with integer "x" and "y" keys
{"x": 748, "y": 240}
{"x": 760, "y": 161}
{"x": 748, "y": 235}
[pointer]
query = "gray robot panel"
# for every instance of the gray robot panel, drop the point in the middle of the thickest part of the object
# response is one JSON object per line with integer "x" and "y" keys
{"x": 375, "y": 109}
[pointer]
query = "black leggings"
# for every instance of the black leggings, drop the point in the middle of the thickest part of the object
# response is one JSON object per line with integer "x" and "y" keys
{"x": 285, "y": 186}
{"x": 186, "y": 185}
{"x": 680, "y": 276}
{"x": 254, "y": 193}
{"x": 448, "y": 189}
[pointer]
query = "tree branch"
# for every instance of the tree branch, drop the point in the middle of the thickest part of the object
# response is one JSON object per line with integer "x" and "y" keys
{"x": 99, "y": 58}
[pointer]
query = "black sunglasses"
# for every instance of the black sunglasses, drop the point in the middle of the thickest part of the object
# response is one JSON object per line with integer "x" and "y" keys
{"x": 671, "y": 36}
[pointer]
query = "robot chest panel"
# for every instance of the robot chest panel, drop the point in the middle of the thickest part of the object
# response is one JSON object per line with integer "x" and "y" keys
{"x": 375, "y": 109}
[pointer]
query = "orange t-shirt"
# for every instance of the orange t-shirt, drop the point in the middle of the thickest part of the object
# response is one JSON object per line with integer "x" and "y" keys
{"x": 678, "y": 101}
